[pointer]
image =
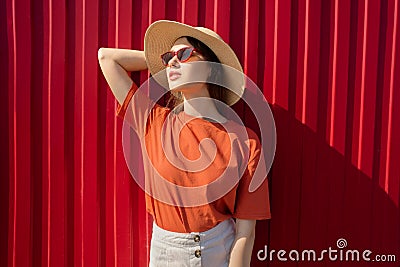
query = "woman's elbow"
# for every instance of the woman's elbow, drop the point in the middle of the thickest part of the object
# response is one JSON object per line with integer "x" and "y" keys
{"x": 105, "y": 53}
{"x": 100, "y": 53}
{"x": 245, "y": 228}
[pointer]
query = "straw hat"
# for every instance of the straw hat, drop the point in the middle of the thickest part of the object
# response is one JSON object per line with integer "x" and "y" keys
{"x": 160, "y": 37}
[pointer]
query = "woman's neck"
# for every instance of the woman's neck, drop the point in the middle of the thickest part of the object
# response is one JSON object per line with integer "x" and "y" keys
{"x": 202, "y": 106}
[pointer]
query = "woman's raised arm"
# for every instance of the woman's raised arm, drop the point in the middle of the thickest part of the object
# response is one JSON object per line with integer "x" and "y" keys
{"x": 115, "y": 63}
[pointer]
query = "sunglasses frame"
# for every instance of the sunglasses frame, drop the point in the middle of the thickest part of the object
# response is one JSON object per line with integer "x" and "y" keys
{"x": 175, "y": 53}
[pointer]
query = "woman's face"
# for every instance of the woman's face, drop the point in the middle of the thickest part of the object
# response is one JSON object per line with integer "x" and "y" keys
{"x": 186, "y": 76}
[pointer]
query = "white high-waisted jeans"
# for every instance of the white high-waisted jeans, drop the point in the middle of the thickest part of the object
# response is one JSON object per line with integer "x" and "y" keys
{"x": 201, "y": 249}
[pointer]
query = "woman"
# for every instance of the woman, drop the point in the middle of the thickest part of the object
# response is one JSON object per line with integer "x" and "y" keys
{"x": 221, "y": 231}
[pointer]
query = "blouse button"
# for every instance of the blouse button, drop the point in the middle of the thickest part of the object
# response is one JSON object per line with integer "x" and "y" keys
{"x": 197, "y": 253}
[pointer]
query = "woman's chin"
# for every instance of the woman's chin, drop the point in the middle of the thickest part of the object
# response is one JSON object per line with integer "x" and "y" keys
{"x": 185, "y": 87}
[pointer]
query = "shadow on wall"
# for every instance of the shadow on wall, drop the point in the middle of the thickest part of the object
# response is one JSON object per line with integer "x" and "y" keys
{"x": 319, "y": 197}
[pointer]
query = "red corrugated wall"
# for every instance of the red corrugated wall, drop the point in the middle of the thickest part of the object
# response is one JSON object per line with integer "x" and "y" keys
{"x": 330, "y": 70}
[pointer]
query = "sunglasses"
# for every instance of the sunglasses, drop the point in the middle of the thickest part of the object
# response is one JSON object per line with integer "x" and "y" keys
{"x": 182, "y": 54}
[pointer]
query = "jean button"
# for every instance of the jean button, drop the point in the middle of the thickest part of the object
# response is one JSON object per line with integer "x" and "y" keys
{"x": 197, "y": 253}
{"x": 196, "y": 238}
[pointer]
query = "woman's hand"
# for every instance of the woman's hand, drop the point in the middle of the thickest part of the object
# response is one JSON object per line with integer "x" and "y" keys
{"x": 243, "y": 244}
{"x": 115, "y": 63}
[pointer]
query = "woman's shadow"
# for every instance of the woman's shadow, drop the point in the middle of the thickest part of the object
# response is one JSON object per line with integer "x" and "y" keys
{"x": 320, "y": 200}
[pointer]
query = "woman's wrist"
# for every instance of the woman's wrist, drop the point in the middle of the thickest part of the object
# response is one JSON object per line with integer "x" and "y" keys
{"x": 242, "y": 246}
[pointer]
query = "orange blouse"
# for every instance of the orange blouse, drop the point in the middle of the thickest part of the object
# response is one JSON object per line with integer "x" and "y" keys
{"x": 230, "y": 169}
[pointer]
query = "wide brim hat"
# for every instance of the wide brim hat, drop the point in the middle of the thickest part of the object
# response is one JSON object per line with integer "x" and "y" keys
{"x": 160, "y": 37}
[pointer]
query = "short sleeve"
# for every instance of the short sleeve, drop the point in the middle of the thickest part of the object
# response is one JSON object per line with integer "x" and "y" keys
{"x": 138, "y": 110}
{"x": 252, "y": 205}
{"x": 121, "y": 109}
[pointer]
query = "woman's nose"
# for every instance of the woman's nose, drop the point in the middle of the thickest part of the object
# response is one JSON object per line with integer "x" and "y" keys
{"x": 173, "y": 61}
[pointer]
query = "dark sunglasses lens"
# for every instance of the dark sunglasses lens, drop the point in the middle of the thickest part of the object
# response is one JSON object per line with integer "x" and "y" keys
{"x": 185, "y": 54}
{"x": 167, "y": 57}
{"x": 182, "y": 55}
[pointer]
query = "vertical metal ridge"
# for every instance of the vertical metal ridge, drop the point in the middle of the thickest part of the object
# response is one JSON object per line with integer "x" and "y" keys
{"x": 391, "y": 88}
{"x": 50, "y": 53}
{"x": 362, "y": 97}
{"x": 14, "y": 31}
{"x": 275, "y": 53}
{"x": 183, "y": 11}
{"x": 334, "y": 77}
{"x": 215, "y": 15}
{"x": 305, "y": 63}
{"x": 82, "y": 132}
